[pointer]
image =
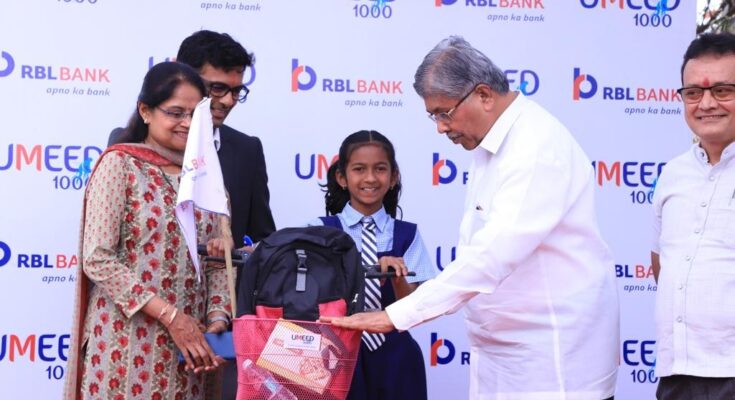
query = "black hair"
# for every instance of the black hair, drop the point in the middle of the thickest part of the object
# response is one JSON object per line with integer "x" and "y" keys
{"x": 709, "y": 44}
{"x": 159, "y": 85}
{"x": 336, "y": 197}
{"x": 219, "y": 50}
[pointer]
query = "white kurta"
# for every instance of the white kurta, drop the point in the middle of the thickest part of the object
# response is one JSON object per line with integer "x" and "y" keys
{"x": 537, "y": 278}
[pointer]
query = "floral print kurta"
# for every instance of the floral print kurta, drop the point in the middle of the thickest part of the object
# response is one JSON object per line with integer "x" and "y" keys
{"x": 133, "y": 249}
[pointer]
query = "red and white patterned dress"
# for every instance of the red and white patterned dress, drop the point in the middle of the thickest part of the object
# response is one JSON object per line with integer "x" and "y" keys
{"x": 133, "y": 249}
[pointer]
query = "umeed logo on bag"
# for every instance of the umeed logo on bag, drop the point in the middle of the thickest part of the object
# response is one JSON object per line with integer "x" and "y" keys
{"x": 303, "y": 341}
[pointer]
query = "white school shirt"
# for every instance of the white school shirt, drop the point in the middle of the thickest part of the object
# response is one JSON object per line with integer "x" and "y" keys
{"x": 416, "y": 257}
{"x": 537, "y": 279}
{"x": 694, "y": 225}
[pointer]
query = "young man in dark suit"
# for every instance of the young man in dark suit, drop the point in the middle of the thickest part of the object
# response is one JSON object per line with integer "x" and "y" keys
{"x": 221, "y": 62}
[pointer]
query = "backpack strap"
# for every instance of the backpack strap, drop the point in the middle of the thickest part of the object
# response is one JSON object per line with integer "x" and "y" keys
{"x": 403, "y": 235}
{"x": 331, "y": 220}
{"x": 301, "y": 270}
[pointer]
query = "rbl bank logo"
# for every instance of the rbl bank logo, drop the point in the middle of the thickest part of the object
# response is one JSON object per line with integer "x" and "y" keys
{"x": 296, "y": 71}
{"x": 618, "y": 93}
{"x": 37, "y": 260}
{"x": 631, "y": 271}
{"x": 577, "y": 91}
{"x": 444, "y": 171}
{"x": 5, "y": 256}
{"x": 437, "y": 344}
{"x": 340, "y": 85}
{"x": 9, "y": 64}
{"x": 53, "y": 73}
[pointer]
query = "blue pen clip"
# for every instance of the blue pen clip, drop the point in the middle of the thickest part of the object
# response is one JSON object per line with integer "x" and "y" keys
{"x": 246, "y": 239}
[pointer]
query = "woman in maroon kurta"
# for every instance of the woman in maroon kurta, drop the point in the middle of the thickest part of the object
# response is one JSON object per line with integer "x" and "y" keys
{"x": 139, "y": 301}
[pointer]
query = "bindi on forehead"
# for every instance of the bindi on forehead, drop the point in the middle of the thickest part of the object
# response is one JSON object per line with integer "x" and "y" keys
{"x": 705, "y": 81}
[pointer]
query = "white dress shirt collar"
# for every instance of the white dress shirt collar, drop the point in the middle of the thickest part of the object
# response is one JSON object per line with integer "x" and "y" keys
{"x": 217, "y": 140}
{"x": 701, "y": 155}
{"x": 352, "y": 217}
{"x": 495, "y": 137}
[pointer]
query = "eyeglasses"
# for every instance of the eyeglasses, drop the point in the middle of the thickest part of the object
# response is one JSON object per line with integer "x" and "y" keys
{"x": 721, "y": 92}
{"x": 239, "y": 93}
{"x": 446, "y": 116}
{"x": 177, "y": 115}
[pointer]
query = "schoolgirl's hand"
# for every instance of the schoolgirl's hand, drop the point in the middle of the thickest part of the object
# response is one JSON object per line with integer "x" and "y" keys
{"x": 401, "y": 287}
{"x": 398, "y": 265}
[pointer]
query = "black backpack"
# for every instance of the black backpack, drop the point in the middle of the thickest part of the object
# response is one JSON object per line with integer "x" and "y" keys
{"x": 295, "y": 270}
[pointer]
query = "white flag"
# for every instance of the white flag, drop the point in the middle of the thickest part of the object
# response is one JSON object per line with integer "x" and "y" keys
{"x": 201, "y": 183}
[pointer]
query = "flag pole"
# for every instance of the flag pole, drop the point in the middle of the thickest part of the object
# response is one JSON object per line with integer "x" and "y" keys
{"x": 227, "y": 234}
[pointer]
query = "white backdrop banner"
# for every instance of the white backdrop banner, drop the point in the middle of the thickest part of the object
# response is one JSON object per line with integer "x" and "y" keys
{"x": 70, "y": 71}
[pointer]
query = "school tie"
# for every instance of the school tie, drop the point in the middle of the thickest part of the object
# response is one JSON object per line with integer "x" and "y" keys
{"x": 372, "y": 286}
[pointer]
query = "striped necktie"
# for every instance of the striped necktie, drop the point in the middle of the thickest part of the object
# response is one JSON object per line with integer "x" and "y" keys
{"x": 372, "y": 286}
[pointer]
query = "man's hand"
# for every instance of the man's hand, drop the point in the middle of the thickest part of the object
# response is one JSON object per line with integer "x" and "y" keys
{"x": 373, "y": 322}
{"x": 216, "y": 247}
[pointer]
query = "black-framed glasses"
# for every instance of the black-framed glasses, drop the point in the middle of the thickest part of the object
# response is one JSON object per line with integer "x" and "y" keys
{"x": 446, "y": 116}
{"x": 239, "y": 93}
{"x": 694, "y": 94}
{"x": 177, "y": 115}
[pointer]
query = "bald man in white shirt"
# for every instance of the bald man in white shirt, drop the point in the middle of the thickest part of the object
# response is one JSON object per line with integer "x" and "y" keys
{"x": 534, "y": 274}
{"x": 693, "y": 253}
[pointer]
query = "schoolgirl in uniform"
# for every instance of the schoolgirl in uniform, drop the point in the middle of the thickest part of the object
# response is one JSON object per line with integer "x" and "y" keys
{"x": 362, "y": 192}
